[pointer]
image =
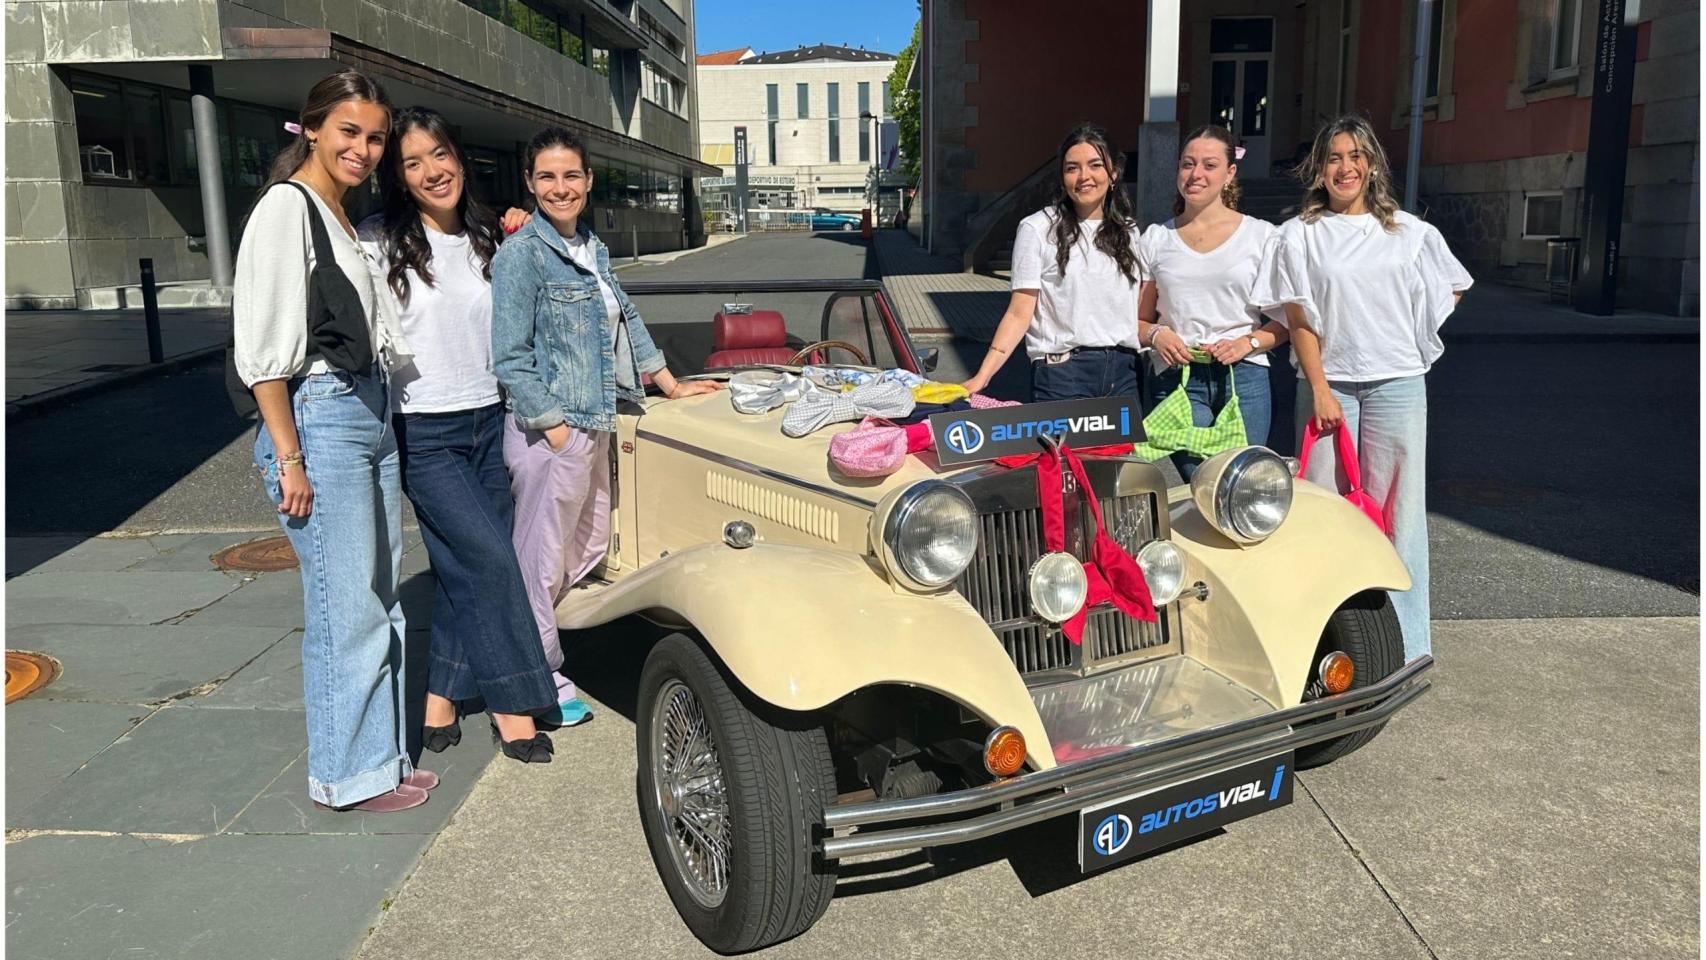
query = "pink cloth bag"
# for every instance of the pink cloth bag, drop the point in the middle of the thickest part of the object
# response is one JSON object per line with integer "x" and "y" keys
{"x": 1358, "y": 497}
{"x": 875, "y": 448}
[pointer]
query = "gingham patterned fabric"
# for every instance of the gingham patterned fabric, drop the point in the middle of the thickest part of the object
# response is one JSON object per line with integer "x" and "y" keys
{"x": 1170, "y": 427}
{"x": 819, "y": 408}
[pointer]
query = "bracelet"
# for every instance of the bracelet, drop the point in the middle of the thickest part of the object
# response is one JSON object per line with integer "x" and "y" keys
{"x": 1154, "y": 331}
{"x": 294, "y": 460}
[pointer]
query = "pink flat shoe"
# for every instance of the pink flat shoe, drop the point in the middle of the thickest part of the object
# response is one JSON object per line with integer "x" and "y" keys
{"x": 402, "y": 798}
{"x": 421, "y": 779}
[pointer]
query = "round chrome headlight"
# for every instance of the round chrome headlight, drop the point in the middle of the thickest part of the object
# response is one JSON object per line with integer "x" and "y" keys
{"x": 1058, "y": 586}
{"x": 1163, "y": 569}
{"x": 931, "y": 534}
{"x": 1245, "y": 493}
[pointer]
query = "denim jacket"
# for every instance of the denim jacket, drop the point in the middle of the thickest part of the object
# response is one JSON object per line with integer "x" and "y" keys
{"x": 551, "y": 336}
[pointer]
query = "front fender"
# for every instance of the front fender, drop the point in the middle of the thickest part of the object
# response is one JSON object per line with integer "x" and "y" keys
{"x": 802, "y": 628}
{"x": 1268, "y": 602}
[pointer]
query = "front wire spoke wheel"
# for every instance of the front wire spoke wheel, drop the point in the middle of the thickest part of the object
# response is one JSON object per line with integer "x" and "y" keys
{"x": 691, "y": 799}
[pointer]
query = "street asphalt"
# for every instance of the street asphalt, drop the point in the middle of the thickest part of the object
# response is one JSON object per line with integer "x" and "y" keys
{"x": 1541, "y": 802}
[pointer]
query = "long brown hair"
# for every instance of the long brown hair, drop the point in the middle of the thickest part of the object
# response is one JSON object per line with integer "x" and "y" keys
{"x": 1232, "y": 192}
{"x": 323, "y": 98}
{"x": 1377, "y": 186}
{"x": 403, "y": 237}
{"x": 1114, "y": 236}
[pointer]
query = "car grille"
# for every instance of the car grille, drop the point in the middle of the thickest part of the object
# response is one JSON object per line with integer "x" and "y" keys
{"x": 996, "y": 585}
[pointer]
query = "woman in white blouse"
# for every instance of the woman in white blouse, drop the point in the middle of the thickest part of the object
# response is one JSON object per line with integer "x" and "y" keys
{"x": 327, "y": 456}
{"x": 1075, "y": 281}
{"x": 1366, "y": 288}
{"x": 1199, "y": 274}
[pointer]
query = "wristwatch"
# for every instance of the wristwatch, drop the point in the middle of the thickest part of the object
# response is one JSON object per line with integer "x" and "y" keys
{"x": 1254, "y": 343}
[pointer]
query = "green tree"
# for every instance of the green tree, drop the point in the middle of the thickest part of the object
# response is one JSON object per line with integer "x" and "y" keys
{"x": 907, "y": 114}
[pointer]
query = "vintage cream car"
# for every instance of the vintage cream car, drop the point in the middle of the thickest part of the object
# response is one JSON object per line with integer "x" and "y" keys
{"x": 867, "y": 666}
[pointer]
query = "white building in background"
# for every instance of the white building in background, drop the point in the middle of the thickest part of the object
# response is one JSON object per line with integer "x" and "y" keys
{"x": 806, "y": 144}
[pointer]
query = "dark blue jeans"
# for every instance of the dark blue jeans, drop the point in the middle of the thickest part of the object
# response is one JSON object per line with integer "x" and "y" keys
{"x": 1208, "y": 393}
{"x": 1097, "y": 372}
{"x": 484, "y": 643}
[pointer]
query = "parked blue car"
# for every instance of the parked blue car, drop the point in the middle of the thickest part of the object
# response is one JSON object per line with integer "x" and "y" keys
{"x": 834, "y": 221}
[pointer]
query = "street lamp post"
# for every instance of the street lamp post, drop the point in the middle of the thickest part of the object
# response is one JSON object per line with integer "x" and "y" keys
{"x": 874, "y": 197}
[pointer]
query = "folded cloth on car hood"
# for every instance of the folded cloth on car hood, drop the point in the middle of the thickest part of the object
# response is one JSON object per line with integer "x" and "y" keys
{"x": 755, "y": 391}
{"x": 818, "y": 408}
{"x": 847, "y": 378}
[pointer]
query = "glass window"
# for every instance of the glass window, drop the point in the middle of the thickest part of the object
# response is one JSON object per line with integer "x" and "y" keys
{"x": 888, "y": 102}
{"x": 772, "y": 131}
{"x": 491, "y": 8}
{"x": 1566, "y": 25}
{"x": 864, "y": 140}
{"x": 802, "y": 99}
{"x": 1241, "y": 35}
{"x": 770, "y": 107}
{"x": 572, "y": 37}
{"x": 181, "y": 123}
{"x": 144, "y": 114}
{"x": 256, "y": 137}
{"x": 864, "y": 97}
{"x": 101, "y": 143}
{"x": 834, "y": 100}
{"x": 1436, "y": 27}
{"x": 1543, "y": 215}
{"x": 835, "y": 141}
{"x": 600, "y": 60}
{"x": 518, "y": 17}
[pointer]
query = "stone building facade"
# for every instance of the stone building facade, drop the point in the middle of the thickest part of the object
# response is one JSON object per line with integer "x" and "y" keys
{"x": 101, "y": 127}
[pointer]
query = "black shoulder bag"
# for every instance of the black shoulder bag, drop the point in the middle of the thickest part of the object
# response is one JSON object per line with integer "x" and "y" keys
{"x": 337, "y": 324}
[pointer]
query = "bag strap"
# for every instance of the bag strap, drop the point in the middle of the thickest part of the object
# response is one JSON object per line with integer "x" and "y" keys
{"x": 1310, "y": 435}
{"x": 316, "y": 227}
{"x": 1347, "y": 453}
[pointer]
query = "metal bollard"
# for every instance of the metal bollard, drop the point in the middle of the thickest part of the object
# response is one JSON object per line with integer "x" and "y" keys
{"x": 151, "y": 312}
{"x": 634, "y": 232}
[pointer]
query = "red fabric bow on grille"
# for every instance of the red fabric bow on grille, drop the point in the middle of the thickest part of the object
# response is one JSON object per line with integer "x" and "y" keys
{"x": 1112, "y": 573}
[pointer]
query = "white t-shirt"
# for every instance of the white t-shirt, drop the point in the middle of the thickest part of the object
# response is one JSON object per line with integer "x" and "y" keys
{"x": 448, "y": 325}
{"x": 584, "y": 255}
{"x": 1093, "y": 305}
{"x": 1205, "y": 297}
{"x": 1376, "y": 299}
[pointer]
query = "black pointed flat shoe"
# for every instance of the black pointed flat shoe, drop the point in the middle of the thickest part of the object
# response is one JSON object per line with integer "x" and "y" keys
{"x": 536, "y": 749}
{"x": 438, "y": 739}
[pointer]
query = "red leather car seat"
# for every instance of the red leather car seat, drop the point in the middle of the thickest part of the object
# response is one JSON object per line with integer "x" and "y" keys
{"x": 741, "y": 338}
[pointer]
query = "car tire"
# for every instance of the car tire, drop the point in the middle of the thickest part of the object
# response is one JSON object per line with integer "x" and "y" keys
{"x": 846, "y": 228}
{"x": 774, "y": 774}
{"x": 1365, "y": 628}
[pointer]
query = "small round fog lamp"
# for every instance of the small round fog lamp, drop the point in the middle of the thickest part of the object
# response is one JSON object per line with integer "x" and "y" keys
{"x": 1336, "y": 672}
{"x": 1058, "y": 587}
{"x": 1004, "y": 751}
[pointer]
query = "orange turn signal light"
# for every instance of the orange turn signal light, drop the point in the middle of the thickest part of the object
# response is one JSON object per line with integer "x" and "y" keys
{"x": 1337, "y": 672}
{"x": 1004, "y": 752}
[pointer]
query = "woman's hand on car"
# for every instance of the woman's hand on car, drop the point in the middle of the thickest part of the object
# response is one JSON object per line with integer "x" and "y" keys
{"x": 514, "y": 219}
{"x": 1170, "y": 346}
{"x": 1328, "y": 414}
{"x": 688, "y": 388}
{"x": 298, "y": 495}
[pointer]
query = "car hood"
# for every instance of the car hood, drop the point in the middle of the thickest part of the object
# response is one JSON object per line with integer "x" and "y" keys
{"x": 710, "y": 425}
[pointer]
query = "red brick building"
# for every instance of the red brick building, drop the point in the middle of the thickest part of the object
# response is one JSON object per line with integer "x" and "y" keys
{"x": 1505, "y": 124}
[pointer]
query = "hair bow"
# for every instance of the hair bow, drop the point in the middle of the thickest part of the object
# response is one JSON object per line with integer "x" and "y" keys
{"x": 292, "y": 126}
{"x": 1237, "y": 153}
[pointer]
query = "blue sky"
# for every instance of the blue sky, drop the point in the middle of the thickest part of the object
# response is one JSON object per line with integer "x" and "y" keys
{"x": 785, "y": 24}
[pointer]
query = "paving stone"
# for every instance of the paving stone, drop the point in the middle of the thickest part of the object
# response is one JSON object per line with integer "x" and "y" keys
{"x": 133, "y": 598}
{"x": 192, "y": 552}
{"x": 273, "y": 599}
{"x": 279, "y": 898}
{"x": 75, "y": 554}
{"x": 47, "y": 740}
{"x": 142, "y": 664}
{"x": 273, "y": 681}
{"x": 286, "y": 808}
{"x": 180, "y": 771}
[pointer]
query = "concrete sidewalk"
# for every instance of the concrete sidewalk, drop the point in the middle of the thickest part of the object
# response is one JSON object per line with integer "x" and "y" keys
{"x": 939, "y": 301}
{"x": 51, "y": 351}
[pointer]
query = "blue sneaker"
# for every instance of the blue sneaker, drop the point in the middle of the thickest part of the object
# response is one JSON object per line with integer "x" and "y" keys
{"x": 569, "y": 713}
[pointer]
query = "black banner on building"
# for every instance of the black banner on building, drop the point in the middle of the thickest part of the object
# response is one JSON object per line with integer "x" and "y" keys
{"x": 1608, "y": 154}
{"x": 740, "y": 176}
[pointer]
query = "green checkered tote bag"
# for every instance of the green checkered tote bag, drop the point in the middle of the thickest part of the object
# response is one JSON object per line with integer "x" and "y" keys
{"x": 1169, "y": 428}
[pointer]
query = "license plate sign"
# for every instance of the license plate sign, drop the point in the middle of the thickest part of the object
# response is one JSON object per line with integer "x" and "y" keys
{"x": 1118, "y": 831}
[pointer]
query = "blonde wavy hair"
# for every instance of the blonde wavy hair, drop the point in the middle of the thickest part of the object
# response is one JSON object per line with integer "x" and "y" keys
{"x": 1377, "y": 188}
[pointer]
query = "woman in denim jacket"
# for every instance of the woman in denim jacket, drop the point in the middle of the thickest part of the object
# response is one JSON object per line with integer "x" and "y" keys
{"x": 566, "y": 344}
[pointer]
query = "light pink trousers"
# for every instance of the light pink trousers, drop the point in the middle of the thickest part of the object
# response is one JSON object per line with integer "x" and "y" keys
{"x": 562, "y": 522}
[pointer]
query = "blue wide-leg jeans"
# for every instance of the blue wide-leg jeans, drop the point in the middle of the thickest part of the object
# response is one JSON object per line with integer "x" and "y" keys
{"x": 350, "y": 547}
{"x": 1389, "y": 421}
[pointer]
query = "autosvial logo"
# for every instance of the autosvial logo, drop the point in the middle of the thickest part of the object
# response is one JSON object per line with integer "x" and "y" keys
{"x": 1127, "y": 828}
{"x": 963, "y": 437}
{"x": 968, "y": 435}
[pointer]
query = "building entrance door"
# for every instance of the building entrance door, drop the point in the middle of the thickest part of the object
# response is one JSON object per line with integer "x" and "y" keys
{"x": 1241, "y": 54}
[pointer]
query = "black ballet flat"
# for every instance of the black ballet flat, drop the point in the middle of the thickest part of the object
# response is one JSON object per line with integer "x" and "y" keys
{"x": 438, "y": 739}
{"x": 537, "y": 749}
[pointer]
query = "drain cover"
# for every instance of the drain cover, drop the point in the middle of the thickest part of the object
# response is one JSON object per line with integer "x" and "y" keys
{"x": 1488, "y": 493}
{"x": 258, "y": 556}
{"x": 28, "y": 672}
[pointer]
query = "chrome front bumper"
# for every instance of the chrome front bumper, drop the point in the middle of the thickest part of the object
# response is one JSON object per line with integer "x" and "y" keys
{"x": 886, "y": 826}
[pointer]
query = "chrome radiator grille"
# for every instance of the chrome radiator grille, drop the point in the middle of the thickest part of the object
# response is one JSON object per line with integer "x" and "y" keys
{"x": 995, "y": 584}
